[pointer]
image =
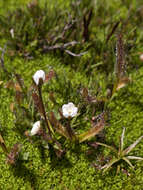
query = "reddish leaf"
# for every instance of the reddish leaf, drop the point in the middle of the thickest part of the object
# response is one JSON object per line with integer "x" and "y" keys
{"x": 120, "y": 67}
{"x": 18, "y": 96}
{"x": 9, "y": 84}
{"x": 13, "y": 155}
{"x": 92, "y": 131}
{"x": 52, "y": 98}
{"x": 38, "y": 103}
{"x": 59, "y": 153}
{"x": 50, "y": 75}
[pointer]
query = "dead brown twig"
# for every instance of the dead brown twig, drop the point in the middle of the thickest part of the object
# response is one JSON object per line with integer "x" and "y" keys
{"x": 63, "y": 48}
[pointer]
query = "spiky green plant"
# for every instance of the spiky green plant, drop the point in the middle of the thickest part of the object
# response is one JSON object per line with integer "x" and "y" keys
{"x": 121, "y": 154}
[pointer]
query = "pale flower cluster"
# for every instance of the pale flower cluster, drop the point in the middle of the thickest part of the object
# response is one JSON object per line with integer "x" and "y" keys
{"x": 141, "y": 57}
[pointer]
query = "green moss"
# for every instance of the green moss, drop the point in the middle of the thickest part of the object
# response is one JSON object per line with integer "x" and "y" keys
{"x": 42, "y": 170}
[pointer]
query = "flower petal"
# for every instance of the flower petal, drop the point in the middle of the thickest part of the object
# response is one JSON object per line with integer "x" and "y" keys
{"x": 36, "y": 127}
{"x": 74, "y": 112}
{"x": 71, "y": 105}
{"x": 65, "y": 114}
{"x": 40, "y": 74}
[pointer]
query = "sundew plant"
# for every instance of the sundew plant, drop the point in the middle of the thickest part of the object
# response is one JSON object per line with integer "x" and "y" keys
{"x": 70, "y": 87}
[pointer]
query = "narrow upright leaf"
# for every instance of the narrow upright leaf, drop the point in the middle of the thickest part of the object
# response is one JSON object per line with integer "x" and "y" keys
{"x": 86, "y": 21}
{"x": 38, "y": 103}
{"x": 120, "y": 66}
{"x": 122, "y": 139}
{"x": 120, "y": 62}
{"x": 128, "y": 162}
{"x": 127, "y": 150}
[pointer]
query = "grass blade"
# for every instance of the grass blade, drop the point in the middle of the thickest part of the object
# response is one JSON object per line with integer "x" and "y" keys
{"x": 120, "y": 63}
{"x": 128, "y": 162}
{"x": 108, "y": 165}
{"x": 122, "y": 139}
{"x": 134, "y": 158}
{"x": 127, "y": 150}
{"x": 107, "y": 146}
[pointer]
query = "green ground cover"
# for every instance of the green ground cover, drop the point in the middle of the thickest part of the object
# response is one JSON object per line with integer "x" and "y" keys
{"x": 39, "y": 168}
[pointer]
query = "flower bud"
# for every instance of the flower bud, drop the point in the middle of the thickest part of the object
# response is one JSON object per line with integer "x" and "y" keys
{"x": 40, "y": 74}
{"x": 35, "y": 129}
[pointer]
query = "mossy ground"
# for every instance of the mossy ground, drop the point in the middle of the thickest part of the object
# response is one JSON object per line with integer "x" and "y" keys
{"x": 43, "y": 170}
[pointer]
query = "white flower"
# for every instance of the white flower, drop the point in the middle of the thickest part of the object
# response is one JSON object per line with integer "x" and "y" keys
{"x": 141, "y": 57}
{"x": 12, "y": 32}
{"x": 40, "y": 74}
{"x": 35, "y": 129}
{"x": 69, "y": 110}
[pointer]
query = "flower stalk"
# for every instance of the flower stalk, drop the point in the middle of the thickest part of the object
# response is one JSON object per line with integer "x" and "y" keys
{"x": 43, "y": 108}
{"x": 50, "y": 136}
{"x": 70, "y": 131}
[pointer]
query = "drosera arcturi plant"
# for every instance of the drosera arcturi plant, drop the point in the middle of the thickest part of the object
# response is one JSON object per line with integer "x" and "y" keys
{"x": 30, "y": 105}
{"x": 68, "y": 112}
{"x": 53, "y": 125}
{"x": 120, "y": 153}
{"x": 38, "y": 78}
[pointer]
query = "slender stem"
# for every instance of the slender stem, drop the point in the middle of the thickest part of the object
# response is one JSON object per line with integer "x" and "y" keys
{"x": 46, "y": 119}
{"x": 43, "y": 108}
{"x": 69, "y": 130}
